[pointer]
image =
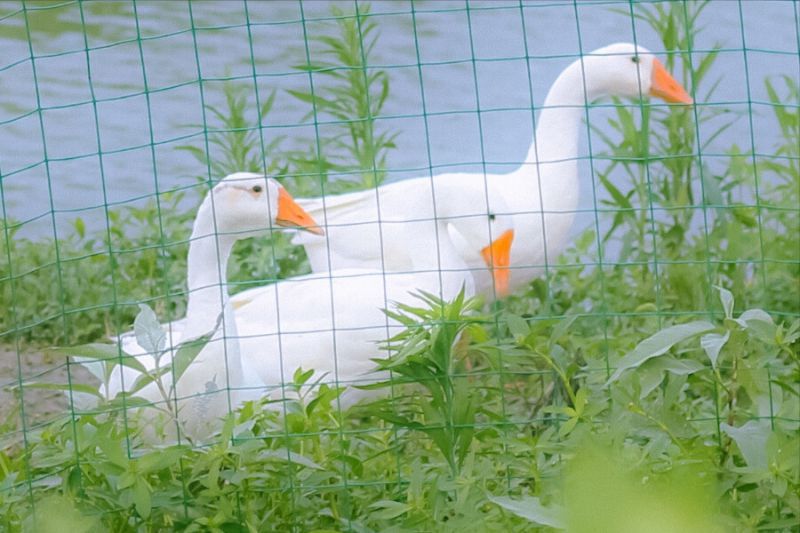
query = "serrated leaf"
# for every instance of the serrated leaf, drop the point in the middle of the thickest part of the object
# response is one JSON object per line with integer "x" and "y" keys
{"x": 712, "y": 344}
{"x": 659, "y": 344}
{"x": 532, "y": 510}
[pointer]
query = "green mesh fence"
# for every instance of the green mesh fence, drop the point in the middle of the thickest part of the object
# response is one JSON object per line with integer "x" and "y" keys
{"x": 643, "y": 370}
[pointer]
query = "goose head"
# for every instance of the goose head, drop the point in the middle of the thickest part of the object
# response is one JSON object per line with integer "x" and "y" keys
{"x": 628, "y": 70}
{"x": 487, "y": 228}
{"x": 247, "y": 204}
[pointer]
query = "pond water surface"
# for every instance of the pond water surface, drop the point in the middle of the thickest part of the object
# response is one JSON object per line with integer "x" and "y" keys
{"x": 87, "y": 90}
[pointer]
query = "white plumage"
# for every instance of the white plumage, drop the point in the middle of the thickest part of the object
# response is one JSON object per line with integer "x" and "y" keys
{"x": 542, "y": 194}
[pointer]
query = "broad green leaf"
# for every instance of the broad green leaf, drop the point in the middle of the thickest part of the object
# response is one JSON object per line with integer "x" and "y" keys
{"x": 759, "y": 323}
{"x": 99, "y": 369}
{"x": 129, "y": 361}
{"x": 726, "y": 298}
{"x": 567, "y": 426}
{"x": 93, "y": 350}
{"x": 126, "y": 400}
{"x": 149, "y": 334}
{"x": 159, "y": 460}
{"x": 388, "y": 509}
{"x": 187, "y": 352}
{"x": 680, "y": 367}
{"x": 290, "y": 457}
{"x": 652, "y": 373}
{"x": 126, "y": 479}
{"x": 145, "y": 379}
{"x": 531, "y": 509}
{"x": 477, "y": 333}
{"x": 113, "y": 450}
{"x": 66, "y": 387}
{"x": 580, "y": 400}
{"x": 109, "y": 353}
{"x": 754, "y": 314}
{"x": 659, "y": 344}
{"x": 562, "y": 327}
{"x": 141, "y": 498}
{"x": 751, "y": 438}
{"x": 785, "y": 524}
{"x": 712, "y": 343}
{"x": 74, "y": 485}
{"x": 569, "y": 412}
{"x": 517, "y": 326}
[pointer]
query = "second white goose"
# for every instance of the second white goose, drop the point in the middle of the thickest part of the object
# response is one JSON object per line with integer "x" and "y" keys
{"x": 541, "y": 195}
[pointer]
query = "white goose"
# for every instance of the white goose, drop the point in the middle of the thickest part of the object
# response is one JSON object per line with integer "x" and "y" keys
{"x": 241, "y": 205}
{"x": 542, "y": 194}
{"x": 330, "y": 322}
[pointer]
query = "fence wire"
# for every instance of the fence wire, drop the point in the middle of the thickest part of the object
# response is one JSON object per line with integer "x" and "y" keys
{"x": 659, "y": 312}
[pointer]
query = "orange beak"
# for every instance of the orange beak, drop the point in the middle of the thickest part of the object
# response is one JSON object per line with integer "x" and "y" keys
{"x": 664, "y": 86}
{"x": 498, "y": 258}
{"x": 292, "y": 215}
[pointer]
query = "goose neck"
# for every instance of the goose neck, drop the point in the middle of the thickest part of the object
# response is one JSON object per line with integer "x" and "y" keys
{"x": 559, "y": 121}
{"x": 433, "y": 249}
{"x": 209, "y": 251}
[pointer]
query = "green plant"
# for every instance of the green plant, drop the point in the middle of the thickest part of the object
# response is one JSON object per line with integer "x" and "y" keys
{"x": 691, "y": 394}
{"x": 347, "y": 90}
{"x": 427, "y": 353}
{"x": 141, "y": 257}
{"x": 660, "y": 406}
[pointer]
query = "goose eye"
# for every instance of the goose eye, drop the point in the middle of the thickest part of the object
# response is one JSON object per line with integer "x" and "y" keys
{"x": 492, "y": 216}
{"x": 635, "y": 59}
{"x": 257, "y": 188}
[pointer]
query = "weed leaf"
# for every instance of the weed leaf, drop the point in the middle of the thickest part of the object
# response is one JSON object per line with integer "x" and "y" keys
{"x": 659, "y": 344}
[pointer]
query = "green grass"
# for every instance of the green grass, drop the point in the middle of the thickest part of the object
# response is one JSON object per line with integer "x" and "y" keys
{"x": 655, "y": 392}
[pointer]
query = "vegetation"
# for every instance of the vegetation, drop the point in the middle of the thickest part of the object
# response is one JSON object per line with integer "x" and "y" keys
{"x": 656, "y": 389}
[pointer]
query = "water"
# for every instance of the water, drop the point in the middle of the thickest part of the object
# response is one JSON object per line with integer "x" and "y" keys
{"x": 140, "y": 154}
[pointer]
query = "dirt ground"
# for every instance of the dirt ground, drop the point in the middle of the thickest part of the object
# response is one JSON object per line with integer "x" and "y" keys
{"x": 39, "y": 405}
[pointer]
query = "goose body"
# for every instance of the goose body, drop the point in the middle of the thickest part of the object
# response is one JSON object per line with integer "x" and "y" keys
{"x": 216, "y": 381}
{"x": 541, "y": 195}
{"x": 332, "y": 322}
